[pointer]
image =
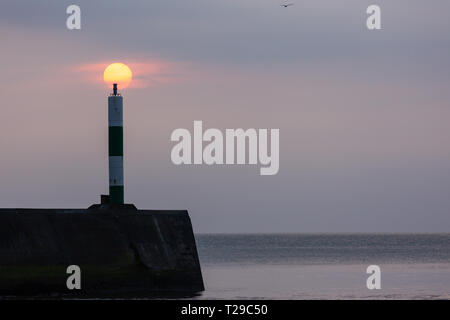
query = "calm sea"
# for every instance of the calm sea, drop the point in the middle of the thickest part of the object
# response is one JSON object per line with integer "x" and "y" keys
{"x": 324, "y": 266}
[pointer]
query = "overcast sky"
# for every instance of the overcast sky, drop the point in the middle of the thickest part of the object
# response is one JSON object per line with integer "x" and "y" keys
{"x": 363, "y": 115}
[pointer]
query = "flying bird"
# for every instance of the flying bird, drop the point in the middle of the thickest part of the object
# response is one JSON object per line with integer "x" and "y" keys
{"x": 286, "y": 5}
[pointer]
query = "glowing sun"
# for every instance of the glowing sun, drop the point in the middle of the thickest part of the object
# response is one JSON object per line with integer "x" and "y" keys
{"x": 117, "y": 73}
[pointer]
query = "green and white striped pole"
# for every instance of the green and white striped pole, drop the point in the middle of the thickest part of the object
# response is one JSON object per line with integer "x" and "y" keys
{"x": 115, "y": 146}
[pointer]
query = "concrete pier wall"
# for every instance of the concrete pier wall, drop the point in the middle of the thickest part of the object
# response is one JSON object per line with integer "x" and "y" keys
{"x": 120, "y": 250}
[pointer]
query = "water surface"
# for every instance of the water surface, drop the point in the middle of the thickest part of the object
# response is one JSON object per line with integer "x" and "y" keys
{"x": 324, "y": 266}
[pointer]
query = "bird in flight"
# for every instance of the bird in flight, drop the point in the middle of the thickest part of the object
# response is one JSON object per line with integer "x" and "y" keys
{"x": 286, "y": 5}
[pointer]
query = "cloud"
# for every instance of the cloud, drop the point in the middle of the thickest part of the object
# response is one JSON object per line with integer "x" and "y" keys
{"x": 146, "y": 73}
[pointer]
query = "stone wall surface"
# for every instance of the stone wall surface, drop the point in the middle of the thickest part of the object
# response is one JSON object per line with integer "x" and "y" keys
{"x": 120, "y": 250}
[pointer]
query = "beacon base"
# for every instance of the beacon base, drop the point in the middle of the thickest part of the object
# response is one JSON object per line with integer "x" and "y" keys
{"x": 121, "y": 252}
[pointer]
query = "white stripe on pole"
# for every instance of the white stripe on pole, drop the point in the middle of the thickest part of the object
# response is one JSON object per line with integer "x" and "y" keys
{"x": 116, "y": 171}
{"x": 115, "y": 116}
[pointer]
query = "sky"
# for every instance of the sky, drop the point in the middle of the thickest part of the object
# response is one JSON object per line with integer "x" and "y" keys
{"x": 363, "y": 115}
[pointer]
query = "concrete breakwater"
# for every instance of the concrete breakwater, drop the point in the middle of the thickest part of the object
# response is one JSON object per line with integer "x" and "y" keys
{"x": 119, "y": 249}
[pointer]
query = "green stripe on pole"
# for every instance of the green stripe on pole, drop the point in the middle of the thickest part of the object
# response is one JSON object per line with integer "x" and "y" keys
{"x": 116, "y": 194}
{"x": 115, "y": 142}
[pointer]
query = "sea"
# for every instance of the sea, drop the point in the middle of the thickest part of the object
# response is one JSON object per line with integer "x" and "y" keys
{"x": 324, "y": 266}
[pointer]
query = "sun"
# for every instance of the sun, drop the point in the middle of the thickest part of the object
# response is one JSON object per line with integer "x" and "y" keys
{"x": 118, "y": 73}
